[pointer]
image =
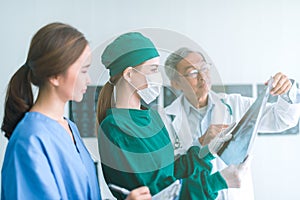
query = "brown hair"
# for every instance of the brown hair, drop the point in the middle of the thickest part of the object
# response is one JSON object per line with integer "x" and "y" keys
{"x": 105, "y": 97}
{"x": 53, "y": 49}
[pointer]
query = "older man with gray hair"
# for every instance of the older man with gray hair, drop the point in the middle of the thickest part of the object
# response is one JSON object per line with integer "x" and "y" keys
{"x": 199, "y": 114}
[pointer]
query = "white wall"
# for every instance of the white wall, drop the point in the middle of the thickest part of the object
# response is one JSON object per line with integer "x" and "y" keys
{"x": 248, "y": 41}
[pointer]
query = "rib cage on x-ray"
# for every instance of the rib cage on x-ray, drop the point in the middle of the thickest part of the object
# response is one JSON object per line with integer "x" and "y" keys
{"x": 244, "y": 133}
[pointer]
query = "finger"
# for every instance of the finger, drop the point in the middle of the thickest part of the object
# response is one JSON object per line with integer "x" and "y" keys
{"x": 283, "y": 80}
{"x": 148, "y": 197}
{"x": 144, "y": 197}
{"x": 214, "y": 130}
{"x": 276, "y": 78}
{"x": 139, "y": 194}
{"x": 143, "y": 190}
{"x": 280, "y": 80}
{"x": 285, "y": 87}
{"x": 219, "y": 125}
{"x": 228, "y": 129}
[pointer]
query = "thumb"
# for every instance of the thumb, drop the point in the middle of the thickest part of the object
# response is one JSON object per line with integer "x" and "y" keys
{"x": 226, "y": 137}
{"x": 228, "y": 129}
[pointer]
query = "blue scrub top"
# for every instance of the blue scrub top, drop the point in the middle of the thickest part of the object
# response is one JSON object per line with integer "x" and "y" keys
{"x": 42, "y": 162}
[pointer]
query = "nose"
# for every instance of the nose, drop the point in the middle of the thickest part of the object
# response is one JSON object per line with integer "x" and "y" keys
{"x": 200, "y": 75}
{"x": 201, "y": 79}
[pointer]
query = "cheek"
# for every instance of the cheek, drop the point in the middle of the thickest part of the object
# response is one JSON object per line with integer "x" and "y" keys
{"x": 188, "y": 86}
{"x": 79, "y": 84}
{"x": 140, "y": 82}
{"x": 193, "y": 83}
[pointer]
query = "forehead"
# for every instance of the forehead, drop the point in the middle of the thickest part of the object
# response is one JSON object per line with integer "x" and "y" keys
{"x": 192, "y": 59}
{"x": 84, "y": 60}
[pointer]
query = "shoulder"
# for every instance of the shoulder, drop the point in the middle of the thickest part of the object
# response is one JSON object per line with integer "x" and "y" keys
{"x": 111, "y": 125}
{"x": 32, "y": 124}
{"x": 109, "y": 121}
{"x": 34, "y": 130}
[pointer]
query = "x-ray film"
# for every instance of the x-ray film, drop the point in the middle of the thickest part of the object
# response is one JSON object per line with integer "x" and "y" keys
{"x": 244, "y": 133}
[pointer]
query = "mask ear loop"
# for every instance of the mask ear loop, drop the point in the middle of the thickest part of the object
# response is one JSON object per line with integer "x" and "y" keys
{"x": 114, "y": 95}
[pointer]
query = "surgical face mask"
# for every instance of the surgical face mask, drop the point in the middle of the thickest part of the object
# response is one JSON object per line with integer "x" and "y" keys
{"x": 152, "y": 91}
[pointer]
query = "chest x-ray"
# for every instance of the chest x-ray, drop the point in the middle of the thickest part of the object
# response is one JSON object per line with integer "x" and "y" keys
{"x": 244, "y": 133}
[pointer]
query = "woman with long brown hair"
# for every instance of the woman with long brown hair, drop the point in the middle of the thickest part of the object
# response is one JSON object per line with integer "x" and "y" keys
{"x": 45, "y": 156}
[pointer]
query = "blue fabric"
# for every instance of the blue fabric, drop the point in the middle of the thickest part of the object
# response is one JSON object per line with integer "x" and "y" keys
{"x": 42, "y": 162}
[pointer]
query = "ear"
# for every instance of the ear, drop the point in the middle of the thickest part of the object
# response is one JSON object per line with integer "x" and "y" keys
{"x": 127, "y": 73}
{"x": 175, "y": 85}
{"x": 54, "y": 80}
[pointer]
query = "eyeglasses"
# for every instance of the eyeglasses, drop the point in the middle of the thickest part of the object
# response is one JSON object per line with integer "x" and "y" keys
{"x": 195, "y": 72}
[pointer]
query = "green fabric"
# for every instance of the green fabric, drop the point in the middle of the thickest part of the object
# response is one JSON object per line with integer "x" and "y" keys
{"x": 129, "y": 49}
{"x": 136, "y": 150}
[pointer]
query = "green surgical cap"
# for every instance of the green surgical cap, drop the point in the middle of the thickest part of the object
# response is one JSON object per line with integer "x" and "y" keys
{"x": 129, "y": 49}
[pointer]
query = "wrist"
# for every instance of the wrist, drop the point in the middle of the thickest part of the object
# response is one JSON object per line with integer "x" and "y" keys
{"x": 201, "y": 140}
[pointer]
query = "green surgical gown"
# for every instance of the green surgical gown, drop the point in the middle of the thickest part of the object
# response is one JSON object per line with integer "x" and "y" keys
{"x": 136, "y": 150}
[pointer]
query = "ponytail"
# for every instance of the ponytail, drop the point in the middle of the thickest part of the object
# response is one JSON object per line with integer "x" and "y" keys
{"x": 19, "y": 99}
{"x": 104, "y": 101}
{"x": 105, "y": 98}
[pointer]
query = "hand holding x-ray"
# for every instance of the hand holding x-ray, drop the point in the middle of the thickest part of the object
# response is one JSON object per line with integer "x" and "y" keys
{"x": 234, "y": 174}
{"x": 281, "y": 84}
{"x": 215, "y": 145}
{"x": 212, "y": 131}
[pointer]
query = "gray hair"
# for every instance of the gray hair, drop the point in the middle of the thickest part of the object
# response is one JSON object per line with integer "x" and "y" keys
{"x": 174, "y": 58}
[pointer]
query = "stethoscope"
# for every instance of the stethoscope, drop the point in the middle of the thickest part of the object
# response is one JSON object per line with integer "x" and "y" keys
{"x": 228, "y": 107}
{"x": 177, "y": 143}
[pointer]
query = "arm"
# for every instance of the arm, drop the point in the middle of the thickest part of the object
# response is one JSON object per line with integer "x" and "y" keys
{"x": 204, "y": 185}
{"x": 196, "y": 157}
{"x": 195, "y": 175}
{"x": 185, "y": 165}
{"x": 285, "y": 113}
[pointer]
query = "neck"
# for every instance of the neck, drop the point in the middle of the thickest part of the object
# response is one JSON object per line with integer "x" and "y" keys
{"x": 198, "y": 102}
{"x": 50, "y": 105}
{"x": 126, "y": 96}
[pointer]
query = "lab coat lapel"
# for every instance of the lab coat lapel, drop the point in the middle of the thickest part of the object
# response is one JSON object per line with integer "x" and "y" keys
{"x": 220, "y": 113}
{"x": 180, "y": 122}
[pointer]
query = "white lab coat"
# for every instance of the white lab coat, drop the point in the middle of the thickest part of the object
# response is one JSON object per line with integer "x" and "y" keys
{"x": 277, "y": 117}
